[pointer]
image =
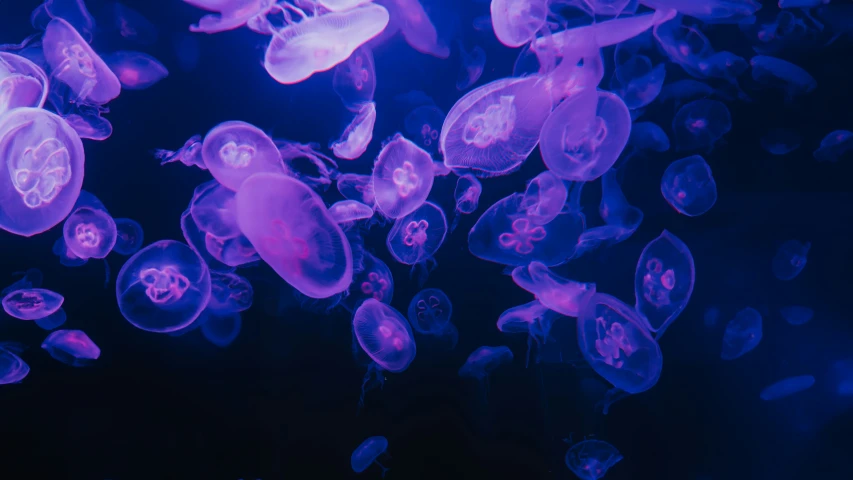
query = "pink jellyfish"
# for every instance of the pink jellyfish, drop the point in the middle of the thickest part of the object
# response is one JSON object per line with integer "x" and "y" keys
{"x": 410, "y": 18}
{"x": 22, "y": 83}
{"x": 232, "y": 13}
{"x": 402, "y": 177}
{"x": 356, "y": 187}
{"x": 373, "y": 281}
{"x": 354, "y": 79}
{"x": 663, "y": 281}
{"x": 233, "y": 151}
{"x": 163, "y": 287}
{"x": 42, "y": 172}
{"x": 384, "y": 334}
{"x": 564, "y": 296}
{"x": 71, "y": 347}
{"x": 348, "y": 211}
{"x": 293, "y": 232}
{"x": 212, "y": 229}
{"x": 516, "y": 22}
{"x": 357, "y": 135}
{"x": 12, "y": 368}
{"x": 32, "y": 303}
{"x": 90, "y": 233}
{"x": 544, "y": 198}
{"x": 415, "y": 238}
{"x": 229, "y": 293}
{"x": 136, "y": 70}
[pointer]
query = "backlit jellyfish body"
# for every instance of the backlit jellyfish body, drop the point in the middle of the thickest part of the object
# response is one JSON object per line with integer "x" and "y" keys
{"x": 712, "y": 11}
{"x": 73, "y": 11}
{"x": 90, "y": 124}
{"x": 293, "y": 232}
{"x": 230, "y": 14}
{"x": 32, "y": 278}
{"x": 348, "y": 211}
{"x": 89, "y": 233}
{"x": 532, "y": 318}
{"x": 402, "y": 177}
{"x": 430, "y": 311}
{"x": 229, "y": 293}
{"x": 135, "y": 70}
{"x": 516, "y": 22}
{"x": 132, "y": 25}
{"x": 776, "y": 72}
{"x": 318, "y": 43}
{"x": 564, "y": 296}
{"x": 787, "y": 387}
{"x": 637, "y": 82}
{"x": 306, "y": 163}
{"x": 780, "y": 141}
{"x": 210, "y": 228}
{"x": 544, "y": 198}
{"x": 663, "y": 281}
{"x": 71, "y": 347}
{"x": 698, "y": 125}
{"x": 22, "y": 83}
{"x": 473, "y": 63}
{"x": 212, "y": 209}
{"x": 74, "y": 63}
{"x": 834, "y": 146}
{"x": 234, "y": 151}
{"x": 424, "y": 124}
{"x": 415, "y": 25}
{"x": 367, "y": 454}
{"x": 790, "y": 259}
{"x": 373, "y": 281}
{"x": 189, "y": 154}
{"x": 467, "y": 195}
{"x": 688, "y": 186}
{"x": 32, "y": 303}
{"x": 354, "y": 79}
{"x": 66, "y": 256}
{"x": 340, "y": 5}
{"x": 492, "y": 129}
{"x": 221, "y": 330}
{"x": 129, "y": 236}
{"x": 163, "y": 287}
{"x": 356, "y": 187}
{"x": 12, "y": 368}
{"x": 42, "y": 173}
{"x": 621, "y": 218}
{"x": 415, "y": 238}
{"x": 615, "y": 342}
{"x": 743, "y": 333}
{"x": 384, "y": 335}
{"x": 54, "y": 320}
{"x": 685, "y": 45}
{"x": 591, "y": 459}
{"x": 357, "y": 135}
{"x": 484, "y": 360}
{"x": 584, "y": 136}
{"x": 796, "y": 315}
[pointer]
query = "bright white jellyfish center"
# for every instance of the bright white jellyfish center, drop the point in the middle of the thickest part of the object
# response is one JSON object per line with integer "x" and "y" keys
{"x": 581, "y": 144}
{"x": 237, "y": 156}
{"x": 164, "y": 286}
{"x": 493, "y": 125}
{"x": 40, "y": 173}
{"x": 87, "y": 235}
{"x": 78, "y": 58}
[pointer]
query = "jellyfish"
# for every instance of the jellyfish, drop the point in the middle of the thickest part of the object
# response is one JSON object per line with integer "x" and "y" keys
{"x": 430, "y": 311}
{"x": 221, "y": 329}
{"x": 354, "y": 79}
{"x": 743, "y": 333}
{"x": 417, "y": 28}
{"x": 484, "y": 360}
{"x": 415, "y": 238}
{"x": 318, "y": 43}
{"x": 467, "y": 195}
{"x": 189, "y": 154}
{"x": 307, "y": 164}
{"x": 559, "y": 294}
{"x": 790, "y": 259}
{"x": 776, "y": 72}
{"x": 621, "y": 219}
{"x": 544, "y": 198}
{"x": 129, "y": 236}
{"x": 135, "y": 70}
{"x": 424, "y": 124}
{"x": 688, "y": 186}
{"x": 89, "y": 123}
{"x": 637, "y": 82}
{"x": 524, "y": 319}
{"x": 384, "y": 335}
{"x": 834, "y": 146}
{"x": 663, "y": 281}
{"x": 712, "y": 11}
{"x": 357, "y": 135}
{"x": 516, "y": 22}
{"x": 74, "y": 63}
{"x": 234, "y": 151}
{"x": 66, "y": 256}
{"x": 163, "y": 287}
{"x": 591, "y": 459}
{"x": 367, "y": 454}
{"x": 73, "y": 11}
{"x": 796, "y": 315}
{"x": 780, "y": 141}
{"x": 373, "y": 281}
{"x": 43, "y": 170}
{"x": 216, "y": 251}
{"x": 132, "y": 25}
{"x": 356, "y": 187}
{"x": 341, "y": 5}
{"x": 32, "y": 303}
{"x": 22, "y": 83}
{"x": 90, "y": 233}
{"x": 584, "y": 136}
{"x": 348, "y": 211}
{"x": 402, "y": 177}
{"x": 12, "y": 368}
{"x": 293, "y": 232}
{"x": 473, "y": 63}
{"x": 71, "y": 347}
{"x": 698, "y": 125}
{"x": 682, "y": 90}
{"x": 32, "y": 278}
{"x": 231, "y": 13}
{"x": 786, "y": 387}
{"x": 229, "y": 293}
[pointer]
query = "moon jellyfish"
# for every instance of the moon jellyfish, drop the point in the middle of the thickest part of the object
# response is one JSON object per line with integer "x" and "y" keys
{"x": 135, "y": 70}
{"x": 790, "y": 259}
{"x": 22, "y": 83}
{"x": 32, "y": 278}
{"x": 189, "y": 154}
{"x": 384, "y": 334}
{"x": 90, "y": 233}
{"x": 743, "y": 333}
{"x": 712, "y": 11}
{"x": 591, "y": 459}
{"x": 484, "y": 360}
{"x": 776, "y": 72}
{"x": 467, "y": 195}
{"x": 424, "y": 124}
{"x": 415, "y": 238}
{"x": 43, "y": 170}
{"x": 564, "y": 296}
{"x": 318, "y": 43}
{"x": 532, "y": 318}
{"x": 780, "y": 141}
{"x": 787, "y": 387}
{"x": 688, "y": 186}
{"x": 367, "y": 454}
{"x": 416, "y": 27}
{"x": 356, "y": 187}
{"x": 229, "y": 293}
{"x": 293, "y": 232}
{"x": 402, "y": 177}
{"x": 834, "y": 145}
{"x": 614, "y": 340}
{"x": 74, "y": 63}
{"x": 797, "y": 315}
{"x": 71, "y": 347}
{"x": 129, "y": 236}
{"x": 637, "y": 82}
{"x": 348, "y": 211}
{"x": 163, "y": 287}
{"x": 222, "y": 330}
{"x": 341, "y": 5}
{"x": 473, "y": 63}
{"x": 132, "y": 25}
{"x": 430, "y": 311}
{"x": 357, "y": 135}
{"x": 89, "y": 123}
{"x": 54, "y": 320}
{"x": 621, "y": 218}
{"x": 234, "y": 151}
{"x": 544, "y": 198}
{"x": 373, "y": 281}
{"x": 699, "y": 124}
{"x": 516, "y": 22}
{"x": 12, "y": 368}
{"x": 663, "y": 282}
{"x": 354, "y": 79}
{"x": 231, "y": 13}
{"x": 32, "y": 303}
{"x": 584, "y": 136}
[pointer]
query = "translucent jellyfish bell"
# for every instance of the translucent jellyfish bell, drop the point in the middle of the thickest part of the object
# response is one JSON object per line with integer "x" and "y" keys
{"x": 416, "y": 237}
{"x": 688, "y": 186}
{"x": 591, "y": 459}
{"x": 699, "y": 124}
{"x": 229, "y": 293}
{"x": 796, "y": 315}
{"x": 12, "y": 368}
{"x": 484, "y": 360}
{"x": 787, "y": 387}
{"x": 424, "y": 124}
{"x": 32, "y": 303}
{"x": 430, "y": 311}
{"x": 293, "y": 232}
{"x": 402, "y": 177}
{"x": 357, "y": 135}
{"x": 129, "y": 236}
{"x": 43, "y": 170}
{"x": 367, "y": 453}
{"x": 354, "y": 79}
{"x": 136, "y": 70}
{"x": 790, "y": 259}
{"x": 467, "y": 193}
{"x": 22, "y": 83}
{"x": 90, "y": 233}
{"x": 163, "y": 287}
{"x": 348, "y": 211}
{"x": 233, "y": 151}
{"x": 74, "y": 63}
{"x": 743, "y": 333}
{"x": 585, "y": 135}
{"x": 231, "y": 13}
{"x": 71, "y": 347}
{"x": 384, "y": 334}
{"x": 544, "y": 198}
{"x": 356, "y": 187}
{"x": 559, "y": 294}
{"x": 663, "y": 281}
{"x": 516, "y": 22}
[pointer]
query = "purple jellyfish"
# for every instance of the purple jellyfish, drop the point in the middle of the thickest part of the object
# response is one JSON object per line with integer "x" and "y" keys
{"x": 354, "y": 79}
{"x": 32, "y": 303}
{"x": 384, "y": 334}
{"x": 516, "y": 22}
{"x": 467, "y": 195}
{"x": 348, "y": 211}
{"x": 699, "y": 124}
{"x": 12, "y": 368}
{"x": 229, "y": 293}
{"x": 367, "y": 454}
{"x": 221, "y": 330}
{"x": 22, "y": 83}
{"x": 790, "y": 259}
{"x": 415, "y": 238}
{"x": 356, "y": 187}
{"x": 430, "y": 311}
{"x": 688, "y": 186}
{"x": 637, "y": 82}
{"x": 129, "y": 236}
{"x": 424, "y": 124}
{"x": 234, "y": 151}
{"x": 402, "y": 177}
{"x": 189, "y": 154}
{"x": 54, "y": 320}
{"x": 89, "y": 233}
{"x": 559, "y": 294}
{"x": 71, "y": 347}
{"x": 231, "y": 13}
{"x": 135, "y": 70}
{"x": 357, "y": 135}
{"x": 663, "y": 281}
{"x": 544, "y": 198}
{"x": 473, "y": 63}
{"x": 591, "y": 459}
{"x": 834, "y": 145}
{"x": 132, "y": 25}
{"x": 743, "y": 333}
{"x": 373, "y": 281}
{"x": 484, "y": 360}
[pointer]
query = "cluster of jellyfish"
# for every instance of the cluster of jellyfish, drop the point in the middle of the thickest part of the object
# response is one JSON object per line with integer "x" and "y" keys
{"x": 262, "y": 206}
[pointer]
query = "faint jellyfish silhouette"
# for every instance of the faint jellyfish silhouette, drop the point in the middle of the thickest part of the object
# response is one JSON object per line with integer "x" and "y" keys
{"x": 483, "y": 361}
{"x": 415, "y": 238}
{"x": 231, "y": 14}
{"x": 43, "y": 170}
{"x": 293, "y": 232}
{"x": 373, "y": 281}
{"x": 622, "y": 218}
{"x": 229, "y": 293}
{"x": 743, "y": 333}
{"x": 71, "y": 347}
{"x": 637, "y": 82}
{"x": 368, "y": 453}
{"x": 163, "y": 287}
{"x": 516, "y": 22}
{"x": 648, "y": 136}
{"x": 591, "y": 459}
{"x": 356, "y": 187}
{"x": 54, "y": 320}
{"x": 430, "y": 311}
{"x": 417, "y": 28}
{"x": 786, "y": 387}
{"x": 467, "y": 195}
{"x": 89, "y": 233}
{"x": 523, "y": 319}
{"x": 32, "y": 303}
{"x": 790, "y": 259}
{"x": 473, "y": 63}
{"x": 32, "y": 278}
{"x": 780, "y": 141}
{"x": 22, "y": 83}
{"x": 222, "y": 329}
{"x": 89, "y": 123}
{"x": 688, "y": 186}
{"x": 66, "y": 256}
{"x": 559, "y": 294}
{"x": 189, "y": 154}
{"x": 187, "y": 51}
{"x": 357, "y": 135}
{"x": 834, "y": 146}
{"x": 129, "y": 236}
{"x": 424, "y": 124}
{"x": 698, "y": 125}
{"x": 234, "y": 151}
{"x": 354, "y": 79}
{"x": 773, "y": 71}
{"x": 796, "y": 315}
{"x": 584, "y": 135}
{"x": 711, "y": 316}
{"x": 663, "y": 281}
{"x": 73, "y": 11}
{"x": 402, "y": 177}
{"x": 306, "y": 163}
{"x": 210, "y": 228}
{"x": 348, "y": 211}
{"x": 135, "y": 70}
{"x": 132, "y": 25}
{"x": 12, "y": 368}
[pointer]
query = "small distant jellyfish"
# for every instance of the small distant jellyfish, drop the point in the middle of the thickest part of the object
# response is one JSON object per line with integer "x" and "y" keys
{"x": 711, "y": 316}
{"x": 71, "y": 347}
{"x": 473, "y": 63}
{"x": 743, "y": 333}
{"x": 637, "y": 82}
{"x": 12, "y": 368}
{"x": 516, "y": 22}
{"x": 402, "y": 177}
{"x": 129, "y": 236}
{"x": 484, "y": 360}
{"x": 648, "y": 136}
{"x": 384, "y": 334}
{"x": 373, "y": 281}
{"x": 834, "y": 146}
{"x": 32, "y": 303}
{"x": 796, "y": 315}
{"x": 467, "y": 195}
{"x": 135, "y": 70}
{"x": 776, "y": 72}
{"x": 132, "y": 25}
{"x": 54, "y": 320}
{"x": 787, "y": 387}
{"x": 663, "y": 281}
{"x": 222, "y": 330}
{"x": 424, "y": 124}
{"x": 354, "y": 79}
{"x": 357, "y": 135}
{"x": 90, "y": 233}
{"x": 780, "y": 141}
{"x": 229, "y": 293}
{"x": 367, "y": 454}
{"x": 689, "y": 187}
{"x": 430, "y": 311}
{"x": 544, "y": 198}
{"x": 189, "y": 154}
{"x": 416, "y": 237}
{"x": 790, "y": 259}
{"x": 591, "y": 459}
{"x": 233, "y": 151}
{"x": 348, "y": 211}
{"x": 698, "y": 125}
{"x": 163, "y": 287}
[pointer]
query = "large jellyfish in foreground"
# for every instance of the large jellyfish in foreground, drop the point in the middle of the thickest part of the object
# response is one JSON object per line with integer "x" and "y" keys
{"x": 402, "y": 177}
{"x": 663, "y": 281}
{"x": 590, "y": 459}
{"x": 367, "y": 453}
{"x": 71, "y": 347}
{"x": 163, "y": 287}
{"x": 234, "y": 151}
